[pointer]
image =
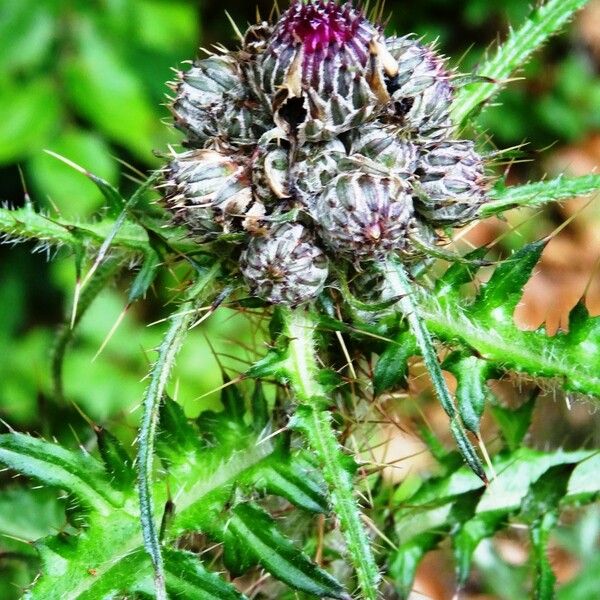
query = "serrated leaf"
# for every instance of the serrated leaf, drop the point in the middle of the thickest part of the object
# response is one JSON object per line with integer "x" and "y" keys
{"x": 187, "y": 578}
{"x": 297, "y": 481}
{"x": 392, "y": 367}
{"x": 81, "y": 475}
{"x": 256, "y": 529}
{"x": 544, "y": 21}
{"x": 488, "y": 330}
{"x": 540, "y": 508}
{"x": 499, "y": 297}
{"x": 117, "y": 462}
{"x": 539, "y": 193}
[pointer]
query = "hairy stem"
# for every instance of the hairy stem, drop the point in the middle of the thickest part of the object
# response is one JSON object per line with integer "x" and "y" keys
{"x": 159, "y": 378}
{"x": 315, "y": 422}
{"x": 520, "y": 45}
{"x": 400, "y": 282}
{"x": 532, "y": 195}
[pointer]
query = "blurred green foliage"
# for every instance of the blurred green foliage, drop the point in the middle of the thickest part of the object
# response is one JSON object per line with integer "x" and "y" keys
{"x": 86, "y": 79}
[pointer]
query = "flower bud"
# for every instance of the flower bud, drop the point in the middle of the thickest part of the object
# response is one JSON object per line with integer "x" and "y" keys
{"x": 315, "y": 167}
{"x": 211, "y": 101}
{"x": 324, "y": 69}
{"x": 452, "y": 186}
{"x": 384, "y": 150}
{"x": 285, "y": 266}
{"x": 208, "y": 191}
{"x": 421, "y": 91}
{"x": 364, "y": 216}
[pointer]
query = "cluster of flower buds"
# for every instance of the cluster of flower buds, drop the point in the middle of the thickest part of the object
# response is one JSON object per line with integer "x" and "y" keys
{"x": 319, "y": 140}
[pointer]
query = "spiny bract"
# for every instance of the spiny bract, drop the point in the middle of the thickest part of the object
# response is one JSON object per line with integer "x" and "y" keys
{"x": 320, "y": 122}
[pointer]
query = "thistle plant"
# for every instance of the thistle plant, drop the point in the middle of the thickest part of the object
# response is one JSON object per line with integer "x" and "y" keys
{"x": 325, "y": 168}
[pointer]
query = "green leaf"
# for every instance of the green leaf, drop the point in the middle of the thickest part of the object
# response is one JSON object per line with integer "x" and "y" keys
{"x": 81, "y": 475}
{"x": 461, "y": 505}
{"x": 543, "y": 22}
{"x": 144, "y": 278}
{"x": 541, "y": 510}
{"x": 73, "y": 194}
{"x": 186, "y": 578}
{"x": 486, "y": 328}
{"x": 392, "y": 367}
{"x": 258, "y": 532}
{"x": 499, "y": 297}
{"x": 31, "y": 116}
{"x": 117, "y": 462}
{"x": 295, "y": 479}
{"x": 404, "y": 562}
{"x": 260, "y": 408}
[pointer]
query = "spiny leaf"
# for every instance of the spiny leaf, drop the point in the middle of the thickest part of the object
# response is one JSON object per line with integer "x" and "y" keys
{"x": 279, "y": 556}
{"x": 460, "y": 503}
{"x": 296, "y": 480}
{"x": 536, "y": 194}
{"x": 541, "y": 510}
{"x": 117, "y": 462}
{"x": 398, "y": 279}
{"x": 499, "y": 297}
{"x": 79, "y": 474}
{"x": 24, "y": 224}
{"x": 187, "y": 578}
{"x": 486, "y": 327}
{"x": 543, "y": 22}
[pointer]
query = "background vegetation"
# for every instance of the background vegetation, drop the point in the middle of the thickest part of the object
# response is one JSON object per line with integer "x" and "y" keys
{"x": 85, "y": 78}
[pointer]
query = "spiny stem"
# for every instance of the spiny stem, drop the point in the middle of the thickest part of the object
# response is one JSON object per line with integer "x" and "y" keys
{"x": 159, "y": 377}
{"x": 543, "y": 23}
{"x": 398, "y": 279}
{"x": 315, "y": 422}
{"x": 536, "y": 194}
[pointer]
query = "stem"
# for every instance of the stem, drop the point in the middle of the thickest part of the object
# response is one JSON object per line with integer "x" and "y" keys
{"x": 316, "y": 423}
{"x": 516, "y": 50}
{"x": 536, "y": 194}
{"x": 398, "y": 278}
{"x": 159, "y": 377}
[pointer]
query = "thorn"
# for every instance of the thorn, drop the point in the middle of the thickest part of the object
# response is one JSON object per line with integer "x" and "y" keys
{"x": 111, "y": 332}
{"x": 76, "y": 295}
{"x": 486, "y": 457}
{"x": 235, "y": 27}
{"x": 270, "y": 436}
{"x": 69, "y": 162}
